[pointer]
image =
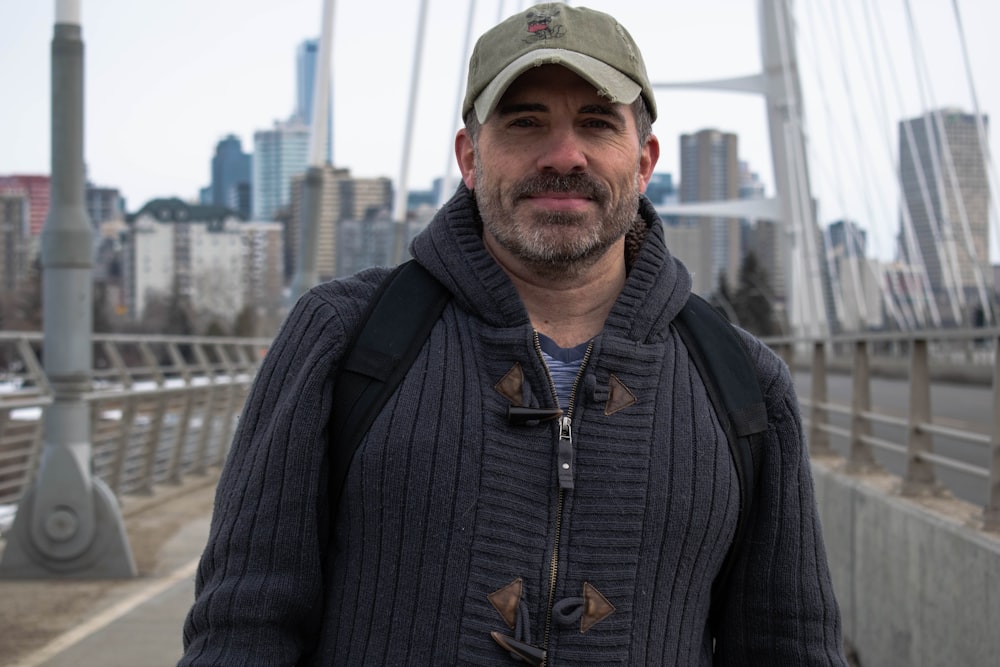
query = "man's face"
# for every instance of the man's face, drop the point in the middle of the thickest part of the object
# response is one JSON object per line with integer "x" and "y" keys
{"x": 557, "y": 171}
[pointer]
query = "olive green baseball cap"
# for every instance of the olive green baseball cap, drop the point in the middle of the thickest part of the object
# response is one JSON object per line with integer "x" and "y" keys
{"x": 588, "y": 42}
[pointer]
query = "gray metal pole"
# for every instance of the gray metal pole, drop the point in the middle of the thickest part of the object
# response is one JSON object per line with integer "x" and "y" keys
{"x": 791, "y": 173}
{"x": 403, "y": 186}
{"x": 68, "y": 523}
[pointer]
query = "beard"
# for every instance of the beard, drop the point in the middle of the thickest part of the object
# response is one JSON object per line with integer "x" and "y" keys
{"x": 556, "y": 242}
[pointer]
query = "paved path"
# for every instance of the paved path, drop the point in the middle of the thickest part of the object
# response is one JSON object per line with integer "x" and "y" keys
{"x": 129, "y": 623}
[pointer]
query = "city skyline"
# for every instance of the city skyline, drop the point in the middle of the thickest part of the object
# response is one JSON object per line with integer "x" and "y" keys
{"x": 233, "y": 72}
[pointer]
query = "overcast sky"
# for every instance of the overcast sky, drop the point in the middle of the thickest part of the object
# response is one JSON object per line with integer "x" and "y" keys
{"x": 166, "y": 80}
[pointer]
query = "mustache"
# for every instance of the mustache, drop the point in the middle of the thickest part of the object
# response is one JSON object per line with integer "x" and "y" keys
{"x": 581, "y": 183}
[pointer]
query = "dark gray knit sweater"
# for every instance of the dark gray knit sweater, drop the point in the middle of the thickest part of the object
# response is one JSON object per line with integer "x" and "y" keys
{"x": 447, "y": 503}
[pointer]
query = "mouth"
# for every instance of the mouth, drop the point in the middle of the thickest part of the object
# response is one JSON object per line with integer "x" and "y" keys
{"x": 560, "y": 201}
{"x": 566, "y": 193}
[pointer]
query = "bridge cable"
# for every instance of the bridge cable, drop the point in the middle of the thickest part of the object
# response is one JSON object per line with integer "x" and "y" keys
{"x": 911, "y": 248}
{"x": 888, "y": 285}
{"x": 941, "y": 227}
{"x": 953, "y": 181}
{"x": 446, "y": 184}
{"x": 966, "y": 229}
{"x": 876, "y": 92}
{"x": 852, "y": 231}
{"x": 833, "y": 175}
{"x": 984, "y": 144}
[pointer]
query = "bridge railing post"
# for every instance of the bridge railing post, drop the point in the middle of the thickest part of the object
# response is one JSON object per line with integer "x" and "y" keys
{"x": 860, "y": 457}
{"x": 126, "y": 422}
{"x": 204, "y": 368}
{"x": 175, "y": 469}
{"x": 991, "y": 512}
{"x": 155, "y": 430}
{"x": 819, "y": 440}
{"x": 232, "y": 401}
{"x": 919, "y": 477}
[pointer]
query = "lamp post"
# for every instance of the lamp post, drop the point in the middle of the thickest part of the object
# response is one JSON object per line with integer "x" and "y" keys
{"x": 68, "y": 523}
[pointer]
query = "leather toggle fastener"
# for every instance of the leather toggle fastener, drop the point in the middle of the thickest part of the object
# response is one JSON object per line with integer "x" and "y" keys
{"x": 521, "y": 416}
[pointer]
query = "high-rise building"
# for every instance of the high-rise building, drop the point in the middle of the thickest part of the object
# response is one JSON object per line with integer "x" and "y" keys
{"x": 365, "y": 243}
{"x": 14, "y": 246}
{"x": 710, "y": 172}
{"x": 750, "y": 187}
{"x": 343, "y": 198}
{"x": 306, "y": 63}
{"x": 847, "y": 239}
{"x": 265, "y": 273}
{"x": 194, "y": 253}
{"x": 37, "y": 189}
{"x": 943, "y": 174}
{"x": 280, "y": 154}
{"x": 231, "y": 176}
{"x": 104, "y": 205}
{"x": 660, "y": 189}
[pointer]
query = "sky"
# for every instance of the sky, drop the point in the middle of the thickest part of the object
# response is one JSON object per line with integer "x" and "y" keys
{"x": 165, "y": 81}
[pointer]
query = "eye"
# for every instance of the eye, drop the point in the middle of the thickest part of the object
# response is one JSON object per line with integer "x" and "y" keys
{"x": 599, "y": 123}
{"x": 523, "y": 121}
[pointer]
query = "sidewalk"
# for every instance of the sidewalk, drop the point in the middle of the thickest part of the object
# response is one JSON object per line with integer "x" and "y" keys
{"x": 126, "y": 623}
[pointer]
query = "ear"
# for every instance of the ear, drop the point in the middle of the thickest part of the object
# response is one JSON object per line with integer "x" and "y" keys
{"x": 648, "y": 157}
{"x": 465, "y": 154}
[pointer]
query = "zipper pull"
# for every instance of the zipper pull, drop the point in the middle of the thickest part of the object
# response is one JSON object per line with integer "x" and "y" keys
{"x": 565, "y": 455}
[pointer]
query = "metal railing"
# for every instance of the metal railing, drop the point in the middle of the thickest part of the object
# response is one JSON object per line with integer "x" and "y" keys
{"x": 165, "y": 407}
{"x": 161, "y": 407}
{"x": 920, "y": 358}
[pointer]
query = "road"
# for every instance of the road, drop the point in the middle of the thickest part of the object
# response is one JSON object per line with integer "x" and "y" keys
{"x": 965, "y": 406}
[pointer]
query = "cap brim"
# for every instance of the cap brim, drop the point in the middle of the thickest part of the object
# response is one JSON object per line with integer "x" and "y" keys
{"x": 608, "y": 81}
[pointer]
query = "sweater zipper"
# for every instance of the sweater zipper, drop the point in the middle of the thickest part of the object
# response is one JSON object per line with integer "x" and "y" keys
{"x": 564, "y": 461}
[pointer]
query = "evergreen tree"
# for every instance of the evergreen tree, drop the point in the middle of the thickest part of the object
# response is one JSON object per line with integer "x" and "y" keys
{"x": 752, "y": 302}
{"x": 722, "y": 298}
{"x": 245, "y": 324}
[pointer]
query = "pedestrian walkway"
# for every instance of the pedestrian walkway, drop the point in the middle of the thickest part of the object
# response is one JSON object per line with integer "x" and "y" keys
{"x": 127, "y": 623}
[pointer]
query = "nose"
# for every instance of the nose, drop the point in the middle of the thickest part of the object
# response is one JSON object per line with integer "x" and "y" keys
{"x": 562, "y": 152}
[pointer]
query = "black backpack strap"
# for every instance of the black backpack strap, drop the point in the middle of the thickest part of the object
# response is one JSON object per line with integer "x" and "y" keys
{"x": 393, "y": 329}
{"x": 724, "y": 365}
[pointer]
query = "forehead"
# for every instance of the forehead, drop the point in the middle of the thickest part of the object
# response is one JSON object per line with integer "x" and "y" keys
{"x": 552, "y": 80}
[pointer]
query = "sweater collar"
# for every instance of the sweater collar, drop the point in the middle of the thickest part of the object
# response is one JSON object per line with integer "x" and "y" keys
{"x": 451, "y": 248}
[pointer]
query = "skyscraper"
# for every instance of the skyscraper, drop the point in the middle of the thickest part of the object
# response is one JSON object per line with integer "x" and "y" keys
{"x": 947, "y": 198}
{"x": 306, "y": 62}
{"x": 343, "y": 198}
{"x": 279, "y": 154}
{"x": 710, "y": 172}
{"x": 231, "y": 176}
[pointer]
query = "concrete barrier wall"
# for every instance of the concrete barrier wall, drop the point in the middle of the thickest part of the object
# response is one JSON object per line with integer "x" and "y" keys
{"x": 917, "y": 580}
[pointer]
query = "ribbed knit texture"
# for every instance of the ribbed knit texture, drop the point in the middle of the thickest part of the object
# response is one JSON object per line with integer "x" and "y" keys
{"x": 446, "y": 502}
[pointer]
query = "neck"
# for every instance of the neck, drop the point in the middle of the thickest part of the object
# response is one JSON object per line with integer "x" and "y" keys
{"x": 571, "y": 307}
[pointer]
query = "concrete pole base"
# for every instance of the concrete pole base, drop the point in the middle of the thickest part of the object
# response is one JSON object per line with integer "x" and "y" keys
{"x": 108, "y": 556}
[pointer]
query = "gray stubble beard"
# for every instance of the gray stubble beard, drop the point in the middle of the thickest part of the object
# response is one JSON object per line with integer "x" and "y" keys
{"x": 531, "y": 244}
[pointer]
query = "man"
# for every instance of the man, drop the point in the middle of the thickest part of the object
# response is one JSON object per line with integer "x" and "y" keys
{"x": 463, "y": 538}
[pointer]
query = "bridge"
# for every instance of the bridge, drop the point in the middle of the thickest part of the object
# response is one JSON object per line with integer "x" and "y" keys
{"x": 109, "y": 445}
